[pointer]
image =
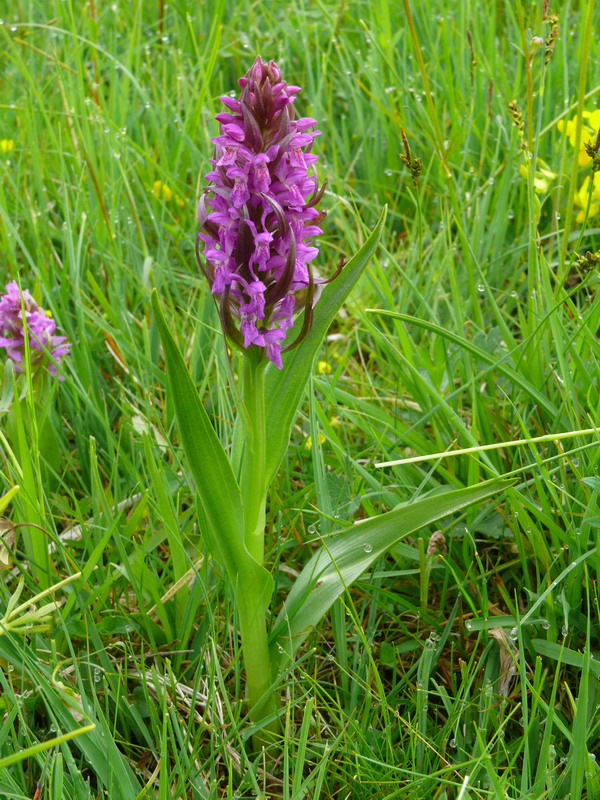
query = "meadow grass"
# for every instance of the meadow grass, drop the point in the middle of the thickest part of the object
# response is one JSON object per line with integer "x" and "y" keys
{"x": 473, "y": 673}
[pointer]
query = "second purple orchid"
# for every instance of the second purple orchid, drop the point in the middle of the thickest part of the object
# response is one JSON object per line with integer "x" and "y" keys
{"x": 258, "y": 217}
{"x": 18, "y": 311}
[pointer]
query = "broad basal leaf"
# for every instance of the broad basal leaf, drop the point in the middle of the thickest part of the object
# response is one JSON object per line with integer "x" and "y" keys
{"x": 215, "y": 482}
{"x": 347, "y": 554}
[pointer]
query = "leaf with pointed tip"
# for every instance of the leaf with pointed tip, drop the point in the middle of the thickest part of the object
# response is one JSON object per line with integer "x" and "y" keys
{"x": 214, "y": 480}
{"x": 347, "y": 554}
{"x": 285, "y": 388}
{"x": 6, "y": 498}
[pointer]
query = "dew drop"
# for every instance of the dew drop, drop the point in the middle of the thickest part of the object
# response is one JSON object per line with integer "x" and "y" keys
{"x": 481, "y": 288}
{"x": 367, "y": 547}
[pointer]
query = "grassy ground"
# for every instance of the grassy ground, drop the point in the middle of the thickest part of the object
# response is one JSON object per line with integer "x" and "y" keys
{"x": 489, "y": 335}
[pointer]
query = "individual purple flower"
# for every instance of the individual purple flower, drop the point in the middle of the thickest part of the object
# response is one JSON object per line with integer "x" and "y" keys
{"x": 258, "y": 216}
{"x": 19, "y": 311}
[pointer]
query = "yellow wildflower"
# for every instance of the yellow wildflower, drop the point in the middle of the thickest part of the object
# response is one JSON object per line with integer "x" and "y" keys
{"x": 308, "y": 442}
{"x": 6, "y": 145}
{"x": 323, "y": 368}
{"x": 335, "y": 422}
{"x": 161, "y": 188}
{"x": 581, "y": 198}
{"x": 589, "y": 131}
{"x": 542, "y": 177}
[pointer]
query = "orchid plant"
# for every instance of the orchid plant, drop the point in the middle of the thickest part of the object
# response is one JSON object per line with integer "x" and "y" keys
{"x": 35, "y": 351}
{"x": 258, "y": 222}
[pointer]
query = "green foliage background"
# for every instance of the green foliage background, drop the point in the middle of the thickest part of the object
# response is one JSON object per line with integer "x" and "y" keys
{"x": 399, "y": 693}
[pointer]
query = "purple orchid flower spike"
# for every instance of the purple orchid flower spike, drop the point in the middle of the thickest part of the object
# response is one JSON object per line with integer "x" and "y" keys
{"x": 258, "y": 216}
{"x": 18, "y": 310}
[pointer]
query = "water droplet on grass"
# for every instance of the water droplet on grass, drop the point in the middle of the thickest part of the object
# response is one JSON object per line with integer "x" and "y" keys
{"x": 367, "y": 547}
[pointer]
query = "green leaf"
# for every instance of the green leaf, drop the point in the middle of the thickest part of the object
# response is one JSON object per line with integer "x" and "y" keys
{"x": 21, "y": 755}
{"x": 565, "y": 655}
{"x": 213, "y": 476}
{"x": 6, "y": 498}
{"x": 285, "y": 388}
{"x": 492, "y": 359}
{"x": 347, "y": 554}
{"x": 215, "y": 482}
{"x": 593, "y": 483}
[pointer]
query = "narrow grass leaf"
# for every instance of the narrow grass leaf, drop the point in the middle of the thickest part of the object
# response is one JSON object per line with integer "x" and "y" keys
{"x": 565, "y": 655}
{"x": 41, "y": 746}
{"x": 6, "y": 498}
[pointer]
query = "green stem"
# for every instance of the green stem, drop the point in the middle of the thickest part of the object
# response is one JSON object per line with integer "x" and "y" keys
{"x": 261, "y": 696}
{"x": 29, "y": 506}
{"x": 253, "y": 465}
{"x": 251, "y": 602}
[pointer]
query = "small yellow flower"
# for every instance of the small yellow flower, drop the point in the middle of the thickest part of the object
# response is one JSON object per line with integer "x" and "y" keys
{"x": 6, "y": 145}
{"x": 581, "y": 197}
{"x": 161, "y": 188}
{"x": 589, "y": 131}
{"x": 335, "y": 422}
{"x": 323, "y": 368}
{"x": 542, "y": 178}
{"x": 308, "y": 442}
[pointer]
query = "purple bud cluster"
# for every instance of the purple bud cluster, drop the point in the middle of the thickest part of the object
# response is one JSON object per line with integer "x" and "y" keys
{"x": 18, "y": 311}
{"x": 258, "y": 217}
